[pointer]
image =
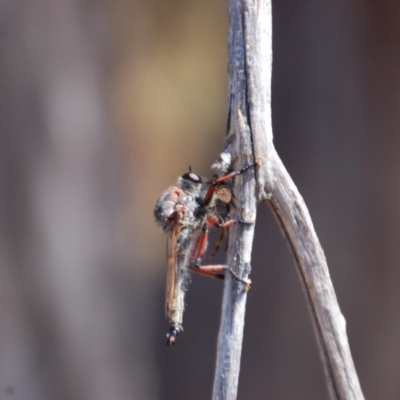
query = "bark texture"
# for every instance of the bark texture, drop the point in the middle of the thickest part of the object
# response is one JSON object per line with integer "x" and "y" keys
{"x": 250, "y": 134}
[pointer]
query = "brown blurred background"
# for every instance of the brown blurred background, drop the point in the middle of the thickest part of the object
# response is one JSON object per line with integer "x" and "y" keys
{"x": 102, "y": 105}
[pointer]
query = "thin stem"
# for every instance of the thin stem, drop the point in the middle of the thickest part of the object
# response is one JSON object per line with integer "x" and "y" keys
{"x": 249, "y": 137}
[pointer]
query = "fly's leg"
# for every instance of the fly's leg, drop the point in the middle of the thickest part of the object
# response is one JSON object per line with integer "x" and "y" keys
{"x": 231, "y": 175}
{"x": 217, "y": 181}
{"x": 202, "y": 242}
{"x": 214, "y": 271}
{"x": 218, "y": 272}
{"x": 210, "y": 271}
{"x": 199, "y": 252}
{"x": 220, "y": 238}
{"x": 214, "y": 222}
{"x": 218, "y": 243}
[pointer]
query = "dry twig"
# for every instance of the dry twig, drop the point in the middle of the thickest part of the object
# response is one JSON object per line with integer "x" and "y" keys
{"x": 250, "y": 136}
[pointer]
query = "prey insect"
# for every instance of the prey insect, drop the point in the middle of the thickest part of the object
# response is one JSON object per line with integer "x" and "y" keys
{"x": 185, "y": 212}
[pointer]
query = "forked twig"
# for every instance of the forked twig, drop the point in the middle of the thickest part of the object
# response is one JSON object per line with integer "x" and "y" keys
{"x": 250, "y": 136}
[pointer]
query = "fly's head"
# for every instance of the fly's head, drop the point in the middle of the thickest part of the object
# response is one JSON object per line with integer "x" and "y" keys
{"x": 191, "y": 184}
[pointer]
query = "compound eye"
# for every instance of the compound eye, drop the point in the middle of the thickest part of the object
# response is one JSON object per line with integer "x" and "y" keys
{"x": 190, "y": 176}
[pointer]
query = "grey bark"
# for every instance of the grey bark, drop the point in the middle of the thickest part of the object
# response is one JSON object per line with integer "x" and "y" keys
{"x": 250, "y": 137}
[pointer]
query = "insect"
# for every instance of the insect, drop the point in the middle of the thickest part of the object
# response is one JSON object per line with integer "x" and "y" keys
{"x": 185, "y": 212}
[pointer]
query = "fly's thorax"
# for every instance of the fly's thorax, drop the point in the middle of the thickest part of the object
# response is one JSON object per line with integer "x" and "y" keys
{"x": 190, "y": 220}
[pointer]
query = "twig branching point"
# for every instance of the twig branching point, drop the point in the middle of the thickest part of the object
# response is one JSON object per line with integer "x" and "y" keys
{"x": 250, "y": 136}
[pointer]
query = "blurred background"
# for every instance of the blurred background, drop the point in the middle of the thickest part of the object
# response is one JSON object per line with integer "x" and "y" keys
{"x": 102, "y": 105}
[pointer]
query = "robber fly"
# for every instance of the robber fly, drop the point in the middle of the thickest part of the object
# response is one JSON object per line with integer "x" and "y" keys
{"x": 185, "y": 212}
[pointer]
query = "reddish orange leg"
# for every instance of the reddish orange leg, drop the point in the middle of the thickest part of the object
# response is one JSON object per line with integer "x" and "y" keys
{"x": 218, "y": 243}
{"x": 216, "y": 224}
{"x": 213, "y": 271}
{"x": 202, "y": 242}
{"x": 226, "y": 177}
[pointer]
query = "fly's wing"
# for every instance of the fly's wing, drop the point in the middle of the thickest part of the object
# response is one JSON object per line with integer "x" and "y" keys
{"x": 223, "y": 193}
{"x": 172, "y": 267}
{"x": 179, "y": 251}
{"x": 223, "y": 202}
